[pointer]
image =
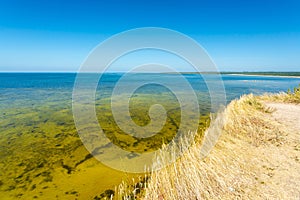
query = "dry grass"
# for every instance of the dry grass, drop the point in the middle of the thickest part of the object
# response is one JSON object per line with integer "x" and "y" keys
{"x": 236, "y": 168}
{"x": 288, "y": 97}
{"x": 228, "y": 171}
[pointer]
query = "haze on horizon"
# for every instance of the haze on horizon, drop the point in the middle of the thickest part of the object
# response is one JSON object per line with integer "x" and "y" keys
{"x": 238, "y": 35}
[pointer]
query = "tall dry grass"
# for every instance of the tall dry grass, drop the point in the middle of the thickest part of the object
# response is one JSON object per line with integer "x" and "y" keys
{"x": 286, "y": 97}
{"x": 227, "y": 172}
{"x": 231, "y": 170}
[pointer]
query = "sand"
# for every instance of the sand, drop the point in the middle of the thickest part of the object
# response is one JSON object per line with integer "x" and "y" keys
{"x": 281, "y": 169}
{"x": 287, "y": 114}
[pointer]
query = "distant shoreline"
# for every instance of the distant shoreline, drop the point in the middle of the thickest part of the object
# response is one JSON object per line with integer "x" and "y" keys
{"x": 266, "y": 75}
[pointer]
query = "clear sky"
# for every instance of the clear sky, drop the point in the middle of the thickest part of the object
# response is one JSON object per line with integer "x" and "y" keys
{"x": 240, "y": 35}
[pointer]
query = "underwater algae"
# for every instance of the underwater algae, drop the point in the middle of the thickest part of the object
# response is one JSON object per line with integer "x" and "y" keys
{"x": 43, "y": 157}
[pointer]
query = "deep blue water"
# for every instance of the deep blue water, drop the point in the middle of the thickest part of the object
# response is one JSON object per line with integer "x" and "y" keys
{"x": 22, "y": 89}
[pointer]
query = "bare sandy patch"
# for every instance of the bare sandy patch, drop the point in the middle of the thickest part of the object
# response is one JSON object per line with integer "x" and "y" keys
{"x": 281, "y": 164}
{"x": 287, "y": 114}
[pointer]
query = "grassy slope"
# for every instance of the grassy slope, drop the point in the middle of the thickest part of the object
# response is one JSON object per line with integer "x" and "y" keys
{"x": 242, "y": 163}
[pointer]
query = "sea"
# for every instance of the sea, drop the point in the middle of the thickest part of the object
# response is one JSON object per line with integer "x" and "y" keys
{"x": 42, "y": 155}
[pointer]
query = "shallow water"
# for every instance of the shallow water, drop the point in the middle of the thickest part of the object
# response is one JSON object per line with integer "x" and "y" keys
{"x": 41, "y": 154}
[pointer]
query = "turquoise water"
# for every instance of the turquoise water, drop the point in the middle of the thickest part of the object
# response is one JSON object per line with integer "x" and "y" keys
{"x": 41, "y": 155}
{"x": 21, "y": 89}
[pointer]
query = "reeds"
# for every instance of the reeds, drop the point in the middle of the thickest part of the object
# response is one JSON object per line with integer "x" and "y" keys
{"x": 233, "y": 168}
{"x": 227, "y": 172}
{"x": 286, "y": 97}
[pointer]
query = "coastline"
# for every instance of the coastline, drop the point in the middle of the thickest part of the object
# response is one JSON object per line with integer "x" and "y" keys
{"x": 253, "y": 124}
{"x": 281, "y": 76}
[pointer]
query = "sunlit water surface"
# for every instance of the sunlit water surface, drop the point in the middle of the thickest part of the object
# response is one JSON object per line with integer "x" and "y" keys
{"x": 41, "y": 155}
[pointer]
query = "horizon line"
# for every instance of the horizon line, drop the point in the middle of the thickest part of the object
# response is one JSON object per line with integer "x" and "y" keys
{"x": 152, "y": 72}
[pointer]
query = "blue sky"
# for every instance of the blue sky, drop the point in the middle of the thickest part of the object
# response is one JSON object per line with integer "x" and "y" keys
{"x": 239, "y": 35}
